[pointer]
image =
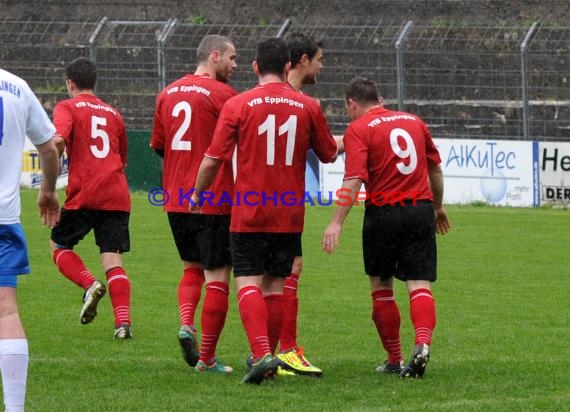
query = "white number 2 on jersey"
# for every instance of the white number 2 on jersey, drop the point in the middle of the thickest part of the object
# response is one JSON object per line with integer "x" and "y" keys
{"x": 99, "y": 133}
{"x": 177, "y": 142}
{"x": 407, "y": 152}
{"x": 289, "y": 128}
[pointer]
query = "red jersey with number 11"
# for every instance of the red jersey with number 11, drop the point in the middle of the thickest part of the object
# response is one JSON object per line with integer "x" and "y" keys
{"x": 274, "y": 127}
{"x": 390, "y": 152}
{"x": 96, "y": 147}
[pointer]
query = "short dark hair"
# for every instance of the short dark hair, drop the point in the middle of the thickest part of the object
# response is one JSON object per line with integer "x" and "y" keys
{"x": 272, "y": 56}
{"x": 82, "y": 72}
{"x": 362, "y": 90}
{"x": 300, "y": 44}
{"x": 210, "y": 43}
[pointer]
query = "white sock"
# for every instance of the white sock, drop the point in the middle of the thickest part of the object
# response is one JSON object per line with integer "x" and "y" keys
{"x": 14, "y": 367}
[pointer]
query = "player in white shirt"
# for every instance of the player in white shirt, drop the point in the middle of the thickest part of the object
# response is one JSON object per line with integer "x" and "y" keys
{"x": 21, "y": 114}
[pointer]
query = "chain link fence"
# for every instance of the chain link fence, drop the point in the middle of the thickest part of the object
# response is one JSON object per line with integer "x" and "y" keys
{"x": 464, "y": 81}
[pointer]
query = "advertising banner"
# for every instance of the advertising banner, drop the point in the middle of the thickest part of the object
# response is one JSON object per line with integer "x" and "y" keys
{"x": 330, "y": 177}
{"x": 495, "y": 172}
{"x": 554, "y": 164}
{"x": 31, "y": 176}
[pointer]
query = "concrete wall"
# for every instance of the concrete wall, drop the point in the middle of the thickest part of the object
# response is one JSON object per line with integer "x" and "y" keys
{"x": 483, "y": 12}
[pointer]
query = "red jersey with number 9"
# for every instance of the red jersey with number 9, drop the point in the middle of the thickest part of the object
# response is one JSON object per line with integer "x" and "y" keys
{"x": 390, "y": 152}
{"x": 274, "y": 126}
{"x": 96, "y": 147}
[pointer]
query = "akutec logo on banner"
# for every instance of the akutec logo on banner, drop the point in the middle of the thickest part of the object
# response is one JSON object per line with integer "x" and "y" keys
{"x": 495, "y": 172}
{"x": 490, "y": 171}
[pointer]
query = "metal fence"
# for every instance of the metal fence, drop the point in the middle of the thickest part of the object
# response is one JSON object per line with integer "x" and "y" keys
{"x": 464, "y": 81}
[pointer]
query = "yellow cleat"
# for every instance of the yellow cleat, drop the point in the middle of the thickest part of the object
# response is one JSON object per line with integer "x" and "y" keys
{"x": 295, "y": 361}
{"x": 284, "y": 372}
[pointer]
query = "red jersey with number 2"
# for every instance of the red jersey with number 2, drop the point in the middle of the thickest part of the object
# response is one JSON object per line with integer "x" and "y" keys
{"x": 96, "y": 147}
{"x": 390, "y": 152}
{"x": 273, "y": 126}
{"x": 184, "y": 122}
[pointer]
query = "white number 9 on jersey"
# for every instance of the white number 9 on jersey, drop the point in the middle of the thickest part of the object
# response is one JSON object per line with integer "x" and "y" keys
{"x": 407, "y": 152}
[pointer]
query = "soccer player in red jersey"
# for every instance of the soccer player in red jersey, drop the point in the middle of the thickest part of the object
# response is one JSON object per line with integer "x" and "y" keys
{"x": 393, "y": 153}
{"x": 273, "y": 127}
{"x": 306, "y": 62}
{"x": 184, "y": 122}
{"x": 94, "y": 136}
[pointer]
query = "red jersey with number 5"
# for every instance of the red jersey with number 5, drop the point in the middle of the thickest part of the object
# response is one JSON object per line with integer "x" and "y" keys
{"x": 274, "y": 126}
{"x": 185, "y": 118}
{"x": 390, "y": 152}
{"x": 96, "y": 147}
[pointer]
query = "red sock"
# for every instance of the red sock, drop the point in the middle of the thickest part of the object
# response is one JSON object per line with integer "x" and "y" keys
{"x": 120, "y": 292}
{"x": 214, "y": 313}
{"x": 422, "y": 311}
{"x": 275, "y": 304}
{"x": 253, "y": 313}
{"x": 386, "y": 317}
{"x": 72, "y": 267}
{"x": 189, "y": 292}
{"x": 288, "y": 338}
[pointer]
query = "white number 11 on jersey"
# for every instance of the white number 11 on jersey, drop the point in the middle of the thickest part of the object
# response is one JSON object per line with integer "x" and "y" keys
{"x": 289, "y": 128}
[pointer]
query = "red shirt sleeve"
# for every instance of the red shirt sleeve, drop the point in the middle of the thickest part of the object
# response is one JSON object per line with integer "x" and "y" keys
{"x": 225, "y": 135}
{"x": 123, "y": 142}
{"x": 158, "y": 133}
{"x": 433, "y": 157}
{"x": 356, "y": 154}
{"x": 63, "y": 121}
{"x": 322, "y": 141}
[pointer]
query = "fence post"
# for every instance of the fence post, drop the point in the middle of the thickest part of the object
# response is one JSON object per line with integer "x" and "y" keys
{"x": 93, "y": 39}
{"x": 283, "y": 29}
{"x": 524, "y": 77}
{"x": 161, "y": 57}
{"x": 399, "y": 45}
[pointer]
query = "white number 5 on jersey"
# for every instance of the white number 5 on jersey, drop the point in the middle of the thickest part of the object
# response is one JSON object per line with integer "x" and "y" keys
{"x": 98, "y": 133}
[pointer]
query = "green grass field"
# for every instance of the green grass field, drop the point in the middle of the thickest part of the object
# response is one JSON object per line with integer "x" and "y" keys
{"x": 501, "y": 343}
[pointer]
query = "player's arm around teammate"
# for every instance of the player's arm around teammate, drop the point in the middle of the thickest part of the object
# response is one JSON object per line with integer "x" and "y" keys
{"x": 266, "y": 233}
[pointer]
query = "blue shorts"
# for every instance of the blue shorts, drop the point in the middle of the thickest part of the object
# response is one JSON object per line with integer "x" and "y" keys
{"x": 13, "y": 254}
